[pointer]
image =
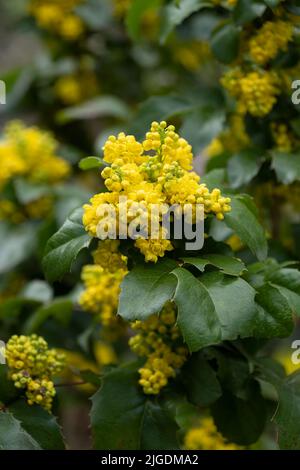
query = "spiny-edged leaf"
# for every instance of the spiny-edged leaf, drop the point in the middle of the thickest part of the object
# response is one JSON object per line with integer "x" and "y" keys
{"x": 241, "y": 420}
{"x": 200, "y": 380}
{"x": 245, "y": 224}
{"x": 233, "y": 300}
{"x": 120, "y": 405}
{"x": 146, "y": 289}
{"x": 288, "y": 413}
{"x": 286, "y": 166}
{"x": 246, "y": 10}
{"x": 242, "y": 167}
{"x": 197, "y": 317}
{"x": 60, "y": 309}
{"x": 274, "y": 317}
{"x": 225, "y": 42}
{"x": 288, "y": 282}
{"x": 40, "y": 424}
{"x": 17, "y": 245}
{"x": 37, "y": 290}
{"x": 159, "y": 429}
{"x": 226, "y": 264}
{"x": 135, "y": 15}
{"x": 176, "y": 12}
{"x": 100, "y": 106}
{"x": 13, "y": 436}
{"x": 90, "y": 163}
{"x": 64, "y": 246}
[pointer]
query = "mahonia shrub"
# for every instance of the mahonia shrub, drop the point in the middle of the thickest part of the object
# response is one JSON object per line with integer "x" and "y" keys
{"x": 190, "y": 344}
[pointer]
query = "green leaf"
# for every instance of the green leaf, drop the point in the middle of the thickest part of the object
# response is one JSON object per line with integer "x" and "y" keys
{"x": 246, "y": 10}
{"x": 242, "y": 167}
{"x": 41, "y": 425}
{"x": 287, "y": 166}
{"x": 17, "y": 245}
{"x": 245, "y": 224}
{"x": 8, "y": 391}
{"x": 159, "y": 429}
{"x": 224, "y": 292}
{"x": 146, "y": 289}
{"x": 13, "y": 436}
{"x": 120, "y": 405}
{"x": 90, "y": 163}
{"x": 288, "y": 413}
{"x": 135, "y": 15}
{"x": 227, "y": 264}
{"x": 176, "y": 12}
{"x": 97, "y": 107}
{"x": 60, "y": 309}
{"x": 200, "y": 380}
{"x": 287, "y": 280}
{"x": 275, "y": 317}
{"x": 225, "y": 42}
{"x": 241, "y": 420}
{"x": 197, "y": 318}
{"x": 64, "y": 246}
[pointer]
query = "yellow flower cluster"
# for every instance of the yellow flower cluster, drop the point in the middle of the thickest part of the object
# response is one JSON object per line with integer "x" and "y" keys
{"x": 74, "y": 88}
{"x": 255, "y": 91}
{"x": 30, "y": 152}
{"x": 59, "y": 17}
{"x": 207, "y": 437}
{"x": 32, "y": 366}
{"x": 158, "y": 339}
{"x": 102, "y": 282}
{"x": 270, "y": 39}
{"x": 283, "y": 138}
{"x": 156, "y": 171}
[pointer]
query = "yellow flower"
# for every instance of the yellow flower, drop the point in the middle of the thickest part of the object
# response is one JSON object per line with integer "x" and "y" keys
{"x": 156, "y": 172}
{"x": 256, "y": 92}
{"x": 74, "y": 88}
{"x": 58, "y": 17}
{"x": 102, "y": 282}
{"x": 271, "y": 38}
{"x": 158, "y": 339}
{"x": 283, "y": 138}
{"x": 206, "y": 437}
{"x": 32, "y": 366}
